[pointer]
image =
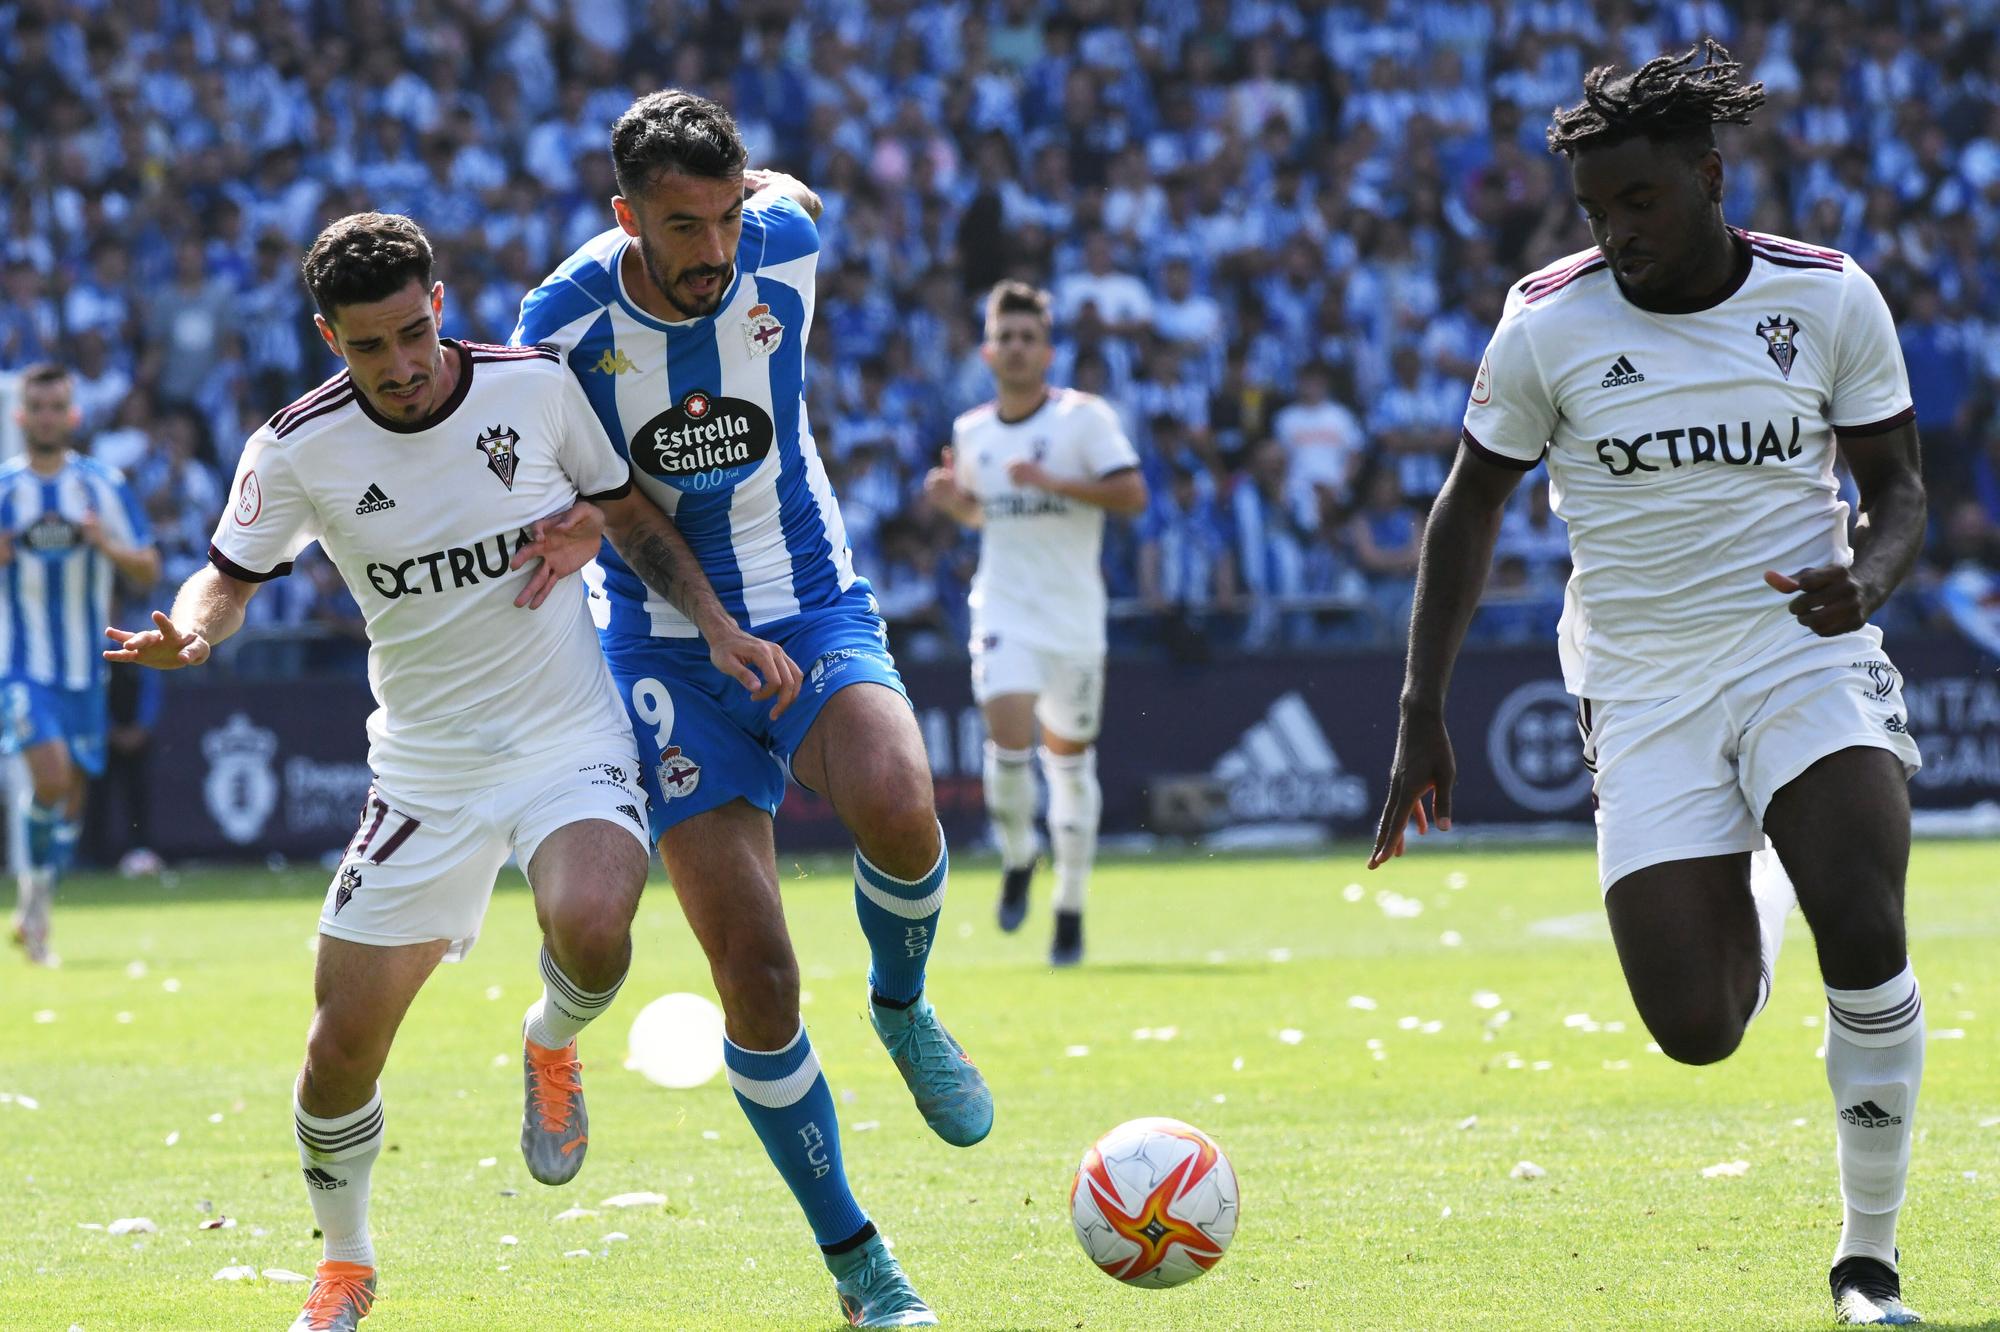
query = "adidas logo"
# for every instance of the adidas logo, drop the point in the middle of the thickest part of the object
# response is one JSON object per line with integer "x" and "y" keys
{"x": 1870, "y": 1115}
{"x": 374, "y": 501}
{"x": 1622, "y": 372}
{"x": 1285, "y": 768}
{"x": 320, "y": 1179}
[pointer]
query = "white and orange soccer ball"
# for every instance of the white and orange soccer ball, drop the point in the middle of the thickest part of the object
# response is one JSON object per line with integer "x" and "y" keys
{"x": 1154, "y": 1203}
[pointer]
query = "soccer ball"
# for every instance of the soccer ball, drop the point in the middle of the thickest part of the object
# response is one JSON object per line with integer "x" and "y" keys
{"x": 676, "y": 1041}
{"x": 1154, "y": 1203}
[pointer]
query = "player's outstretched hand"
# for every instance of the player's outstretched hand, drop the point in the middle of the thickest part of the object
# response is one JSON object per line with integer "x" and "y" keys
{"x": 1029, "y": 474}
{"x": 1829, "y": 600}
{"x": 763, "y": 668}
{"x": 163, "y": 647}
{"x": 941, "y": 486}
{"x": 1424, "y": 766}
{"x": 563, "y": 542}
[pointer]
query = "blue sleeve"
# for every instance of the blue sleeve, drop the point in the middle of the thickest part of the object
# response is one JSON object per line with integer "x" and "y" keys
{"x": 777, "y": 233}
{"x": 554, "y": 306}
{"x": 135, "y": 512}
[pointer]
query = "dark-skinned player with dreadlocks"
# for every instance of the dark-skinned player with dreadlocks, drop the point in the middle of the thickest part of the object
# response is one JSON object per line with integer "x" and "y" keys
{"x": 1691, "y": 385}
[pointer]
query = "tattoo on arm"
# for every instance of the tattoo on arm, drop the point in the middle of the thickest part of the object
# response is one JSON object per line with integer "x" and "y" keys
{"x": 665, "y": 562}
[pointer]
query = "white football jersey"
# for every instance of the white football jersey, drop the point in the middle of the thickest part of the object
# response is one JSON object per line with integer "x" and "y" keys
{"x": 422, "y": 524}
{"x": 1039, "y": 581}
{"x": 1688, "y": 453}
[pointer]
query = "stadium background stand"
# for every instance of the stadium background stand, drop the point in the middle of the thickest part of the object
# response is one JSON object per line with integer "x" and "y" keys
{"x": 1278, "y": 235}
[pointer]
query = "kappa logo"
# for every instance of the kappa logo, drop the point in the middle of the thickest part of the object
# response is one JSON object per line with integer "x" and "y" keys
{"x": 762, "y": 331}
{"x": 350, "y": 881}
{"x": 1781, "y": 336}
{"x": 1621, "y": 373}
{"x": 612, "y": 363}
{"x": 678, "y": 774}
{"x": 373, "y": 500}
{"x": 1284, "y": 768}
{"x": 498, "y": 444}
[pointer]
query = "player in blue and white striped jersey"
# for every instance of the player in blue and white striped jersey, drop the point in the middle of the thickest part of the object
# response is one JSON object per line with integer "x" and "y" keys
{"x": 69, "y": 527}
{"x": 686, "y": 324}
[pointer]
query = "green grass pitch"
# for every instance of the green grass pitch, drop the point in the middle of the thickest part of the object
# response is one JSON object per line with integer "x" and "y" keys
{"x": 1374, "y": 1141}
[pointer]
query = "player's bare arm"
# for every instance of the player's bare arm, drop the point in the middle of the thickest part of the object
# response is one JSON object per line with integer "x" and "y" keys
{"x": 137, "y": 565}
{"x": 948, "y": 497}
{"x": 1451, "y": 573}
{"x": 208, "y": 608}
{"x": 1838, "y": 599}
{"x": 647, "y": 540}
{"x": 765, "y": 185}
{"x": 563, "y": 543}
{"x": 1121, "y": 492}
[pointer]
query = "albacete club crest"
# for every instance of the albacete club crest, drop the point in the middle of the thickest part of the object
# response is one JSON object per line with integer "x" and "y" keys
{"x": 498, "y": 446}
{"x": 1780, "y": 336}
{"x": 762, "y": 330}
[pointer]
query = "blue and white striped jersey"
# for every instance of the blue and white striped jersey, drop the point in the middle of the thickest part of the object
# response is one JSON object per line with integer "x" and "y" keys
{"x": 58, "y": 584}
{"x": 711, "y": 413}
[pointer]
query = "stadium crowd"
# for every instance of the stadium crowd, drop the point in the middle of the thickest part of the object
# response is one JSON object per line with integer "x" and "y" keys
{"x": 1278, "y": 233}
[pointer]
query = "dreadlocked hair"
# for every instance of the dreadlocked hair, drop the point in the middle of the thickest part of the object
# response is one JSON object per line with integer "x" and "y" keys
{"x": 1671, "y": 97}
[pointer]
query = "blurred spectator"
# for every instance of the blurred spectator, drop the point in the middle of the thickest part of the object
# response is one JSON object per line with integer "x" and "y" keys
{"x": 1185, "y": 561}
{"x": 1324, "y": 444}
{"x": 1270, "y": 542}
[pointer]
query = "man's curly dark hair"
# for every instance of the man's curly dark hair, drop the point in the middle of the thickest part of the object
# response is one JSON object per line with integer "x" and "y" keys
{"x": 674, "y": 131}
{"x": 365, "y": 257}
{"x": 1671, "y": 98}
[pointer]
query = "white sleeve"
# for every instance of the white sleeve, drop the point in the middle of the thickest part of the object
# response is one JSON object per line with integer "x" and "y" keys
{"x": 1509, "y": 417}
{"x": 964, "y": 466}
{"x": 270, "y": 518}
{"x": 1870, "y": 388}
{"x": 586, "y": 454}
{"x": 1100, "y": 443}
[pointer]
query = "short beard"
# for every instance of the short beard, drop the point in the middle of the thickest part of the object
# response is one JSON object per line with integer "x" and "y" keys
{"x": 666, "y": 290}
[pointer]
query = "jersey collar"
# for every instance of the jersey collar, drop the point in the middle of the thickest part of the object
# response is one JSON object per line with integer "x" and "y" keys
{"x": 653, "y": 321}
{"x": 1745, "y": 258}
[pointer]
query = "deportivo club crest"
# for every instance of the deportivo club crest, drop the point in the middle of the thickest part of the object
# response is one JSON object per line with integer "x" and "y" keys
{"x": 498, "y": 446}
{"x": 762, "y": 331}
{"x": 1780, "y": 336}
{"x": 678, "y": 774}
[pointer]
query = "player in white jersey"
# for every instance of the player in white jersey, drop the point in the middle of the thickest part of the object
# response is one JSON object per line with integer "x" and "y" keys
{"x": 1690, "y": 385}
{"x": 443, "y": 479}
{"x": 69, "y": 527}
{"x": 1036, "y": 470}
{"x": 686, "y": 324}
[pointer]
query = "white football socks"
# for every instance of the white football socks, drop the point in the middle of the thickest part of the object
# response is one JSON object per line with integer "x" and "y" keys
{"x": 1772, "y": 892}
{"x": 565, "y": 1007}
{"x": 338, "y": 1155}
{"x": 1874, "y": 1064}
{"x": 1075, "y": 804}
{"x": 1010, "y": 801}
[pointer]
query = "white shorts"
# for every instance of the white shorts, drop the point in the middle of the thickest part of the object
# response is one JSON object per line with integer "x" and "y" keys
{"x": 1690, "y": 776}
{"x": 421, "y": 867}
{"x": 1068, "y": 690}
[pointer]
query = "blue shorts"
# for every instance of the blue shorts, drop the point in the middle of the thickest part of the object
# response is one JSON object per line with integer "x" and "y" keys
{"x": 32, "y": 714}
{"x": 703, "y": 741}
